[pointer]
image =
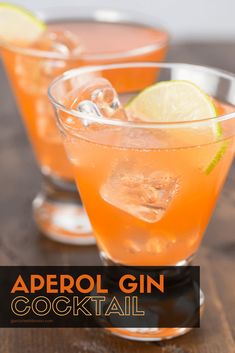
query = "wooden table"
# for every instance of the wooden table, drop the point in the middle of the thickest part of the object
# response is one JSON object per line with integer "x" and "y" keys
{"x": 21, "y": 243}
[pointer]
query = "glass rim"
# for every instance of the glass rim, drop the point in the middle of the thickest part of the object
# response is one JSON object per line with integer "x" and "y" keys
{"x": 89, "y": 13}
{"x": 131, "y": 124}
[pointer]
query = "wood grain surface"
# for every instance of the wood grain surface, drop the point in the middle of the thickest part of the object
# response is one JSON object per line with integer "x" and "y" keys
{"x": 21, "y": 243}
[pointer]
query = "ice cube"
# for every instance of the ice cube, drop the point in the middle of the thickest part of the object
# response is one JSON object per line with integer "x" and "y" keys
{"x": 98, "y": 95}
{"x": 61, "y": 42}
{"x": 88, "y": 108}
{"x": 158, "y": 244}
{"x": 34, "y": 73}
{"x": 146, "y": 196}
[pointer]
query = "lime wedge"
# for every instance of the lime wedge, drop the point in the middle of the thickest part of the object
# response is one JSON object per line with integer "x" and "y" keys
{"x": 174, "y": 101}
{"x": 18, "y": 25}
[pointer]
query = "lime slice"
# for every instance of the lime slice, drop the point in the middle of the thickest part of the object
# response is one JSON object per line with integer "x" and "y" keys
{"x": 174, "y": 101}
{"x": 19, "y": 26}
{"x": 217, "y": 157}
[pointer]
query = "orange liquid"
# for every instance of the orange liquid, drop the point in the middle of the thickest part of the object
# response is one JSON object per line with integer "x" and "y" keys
{"x": 30, "y": 77}
{"x": 134, "y": 222}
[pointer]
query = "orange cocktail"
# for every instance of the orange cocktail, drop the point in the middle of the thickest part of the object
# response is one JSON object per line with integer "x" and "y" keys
{"x": 149, "y": 187}
{"x": 67, "y": 44}
{"x": 149, "y": 182}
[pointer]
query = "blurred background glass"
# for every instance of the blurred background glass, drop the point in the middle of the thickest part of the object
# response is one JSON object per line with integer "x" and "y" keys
{"x": 74, "y": 37}
{"x": 194, "y": 20}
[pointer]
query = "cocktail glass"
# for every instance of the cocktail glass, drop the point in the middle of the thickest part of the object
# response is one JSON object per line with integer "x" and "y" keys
{"x": 83, "y": 37}
{"x": 149, "y": 188}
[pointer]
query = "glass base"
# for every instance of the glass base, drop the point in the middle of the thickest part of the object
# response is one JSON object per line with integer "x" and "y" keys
{"x": 148, "y": 334}
{"x": 59, "y": 214}
{"x": 154, "y": 334}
